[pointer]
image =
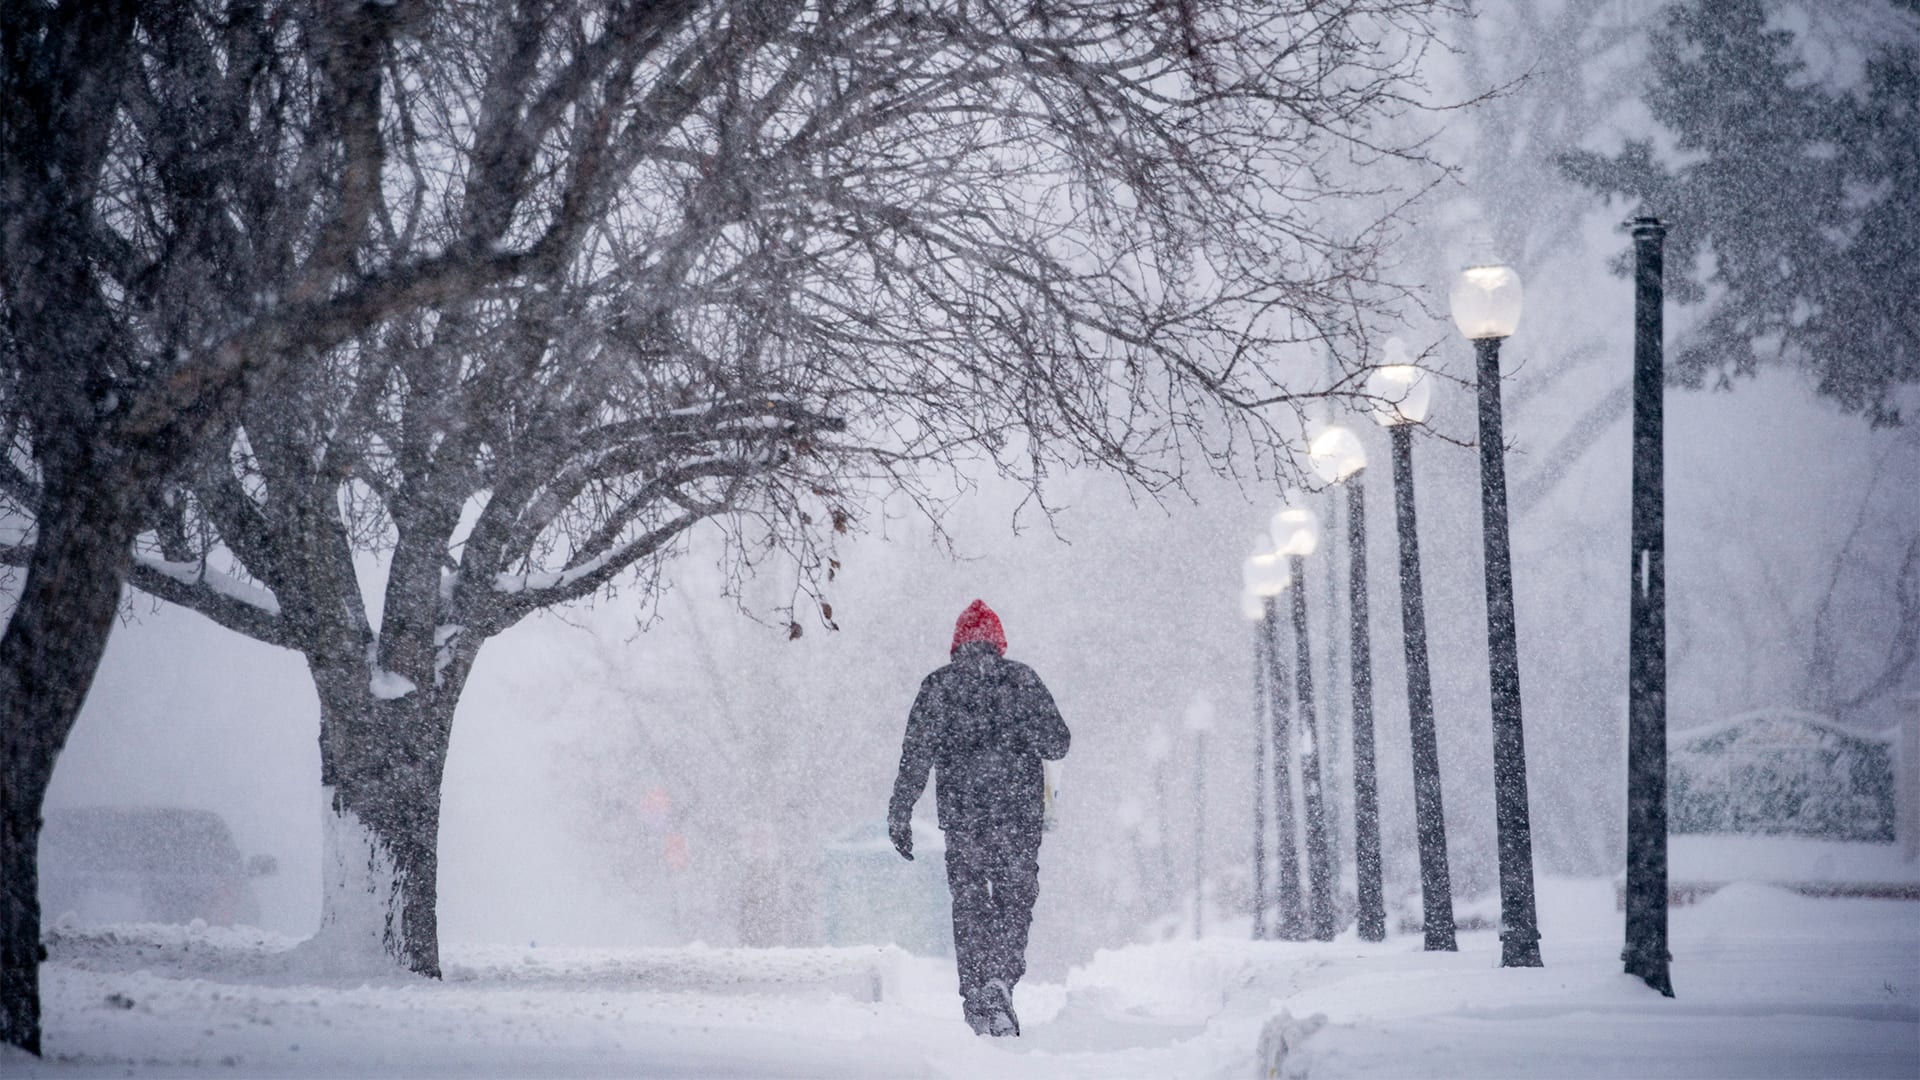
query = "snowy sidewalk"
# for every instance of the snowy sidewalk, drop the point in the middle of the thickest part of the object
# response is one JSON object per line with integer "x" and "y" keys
{"x": 1770, "y": 984}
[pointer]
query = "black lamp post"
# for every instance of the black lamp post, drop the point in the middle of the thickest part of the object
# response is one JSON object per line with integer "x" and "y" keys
{"x": 1340, "y": 459}
{"x": 1255, "y": 608}
{"x": 1486, "y": 306}
{"x": 1646, "y": 951}
{"x": 1296, "y": 533}
{"x": 1198, "y": 719}
{"x": 1290, "y": 922}
{"x": 1266, "y": 576}
{"x": 1406, "y": 392}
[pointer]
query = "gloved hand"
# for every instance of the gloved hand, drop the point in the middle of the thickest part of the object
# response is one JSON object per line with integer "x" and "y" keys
{"x": 900, "y": 831}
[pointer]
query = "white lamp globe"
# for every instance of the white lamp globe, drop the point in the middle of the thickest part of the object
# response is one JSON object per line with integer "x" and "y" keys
{"x": 1336, "y": 454}
{"x": 1402, "y": 392}
{"x": 1199, "y": 715}
{"x": 1296, "y": 531}
{"x": 1264, "y": 575}
{"x": 1486, "y": 301}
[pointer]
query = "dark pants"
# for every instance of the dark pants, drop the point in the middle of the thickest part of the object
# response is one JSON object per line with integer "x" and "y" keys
{"x": 994, "y": 875}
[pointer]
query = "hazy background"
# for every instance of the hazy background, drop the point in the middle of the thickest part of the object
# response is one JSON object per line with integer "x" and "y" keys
{"x": 663, "y": 773}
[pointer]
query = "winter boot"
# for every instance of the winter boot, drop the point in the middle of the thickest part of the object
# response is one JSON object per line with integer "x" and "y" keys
{"x": 1001, "y": 1018}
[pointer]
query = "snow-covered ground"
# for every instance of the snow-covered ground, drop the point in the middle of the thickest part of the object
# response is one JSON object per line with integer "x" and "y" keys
{"x": 1770, "y": 984}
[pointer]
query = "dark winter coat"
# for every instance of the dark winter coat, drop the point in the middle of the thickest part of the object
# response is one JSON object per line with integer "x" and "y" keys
{"x": 984, "y": 723}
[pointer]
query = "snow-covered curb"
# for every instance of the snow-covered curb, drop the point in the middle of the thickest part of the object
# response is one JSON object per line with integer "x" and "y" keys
{"x": 1771, "y": 984}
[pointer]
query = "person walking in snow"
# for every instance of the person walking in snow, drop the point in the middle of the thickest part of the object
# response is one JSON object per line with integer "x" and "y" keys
{"x": 984, "y": 723}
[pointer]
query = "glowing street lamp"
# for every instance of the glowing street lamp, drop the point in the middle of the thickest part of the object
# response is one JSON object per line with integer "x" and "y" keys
{"x": 1403, "y": 393}
{"x": 1337, "y": 454}
{"x": 1485, "y": 302}
{"x": 1296, "y": 534}
{"x": 1265, "y": 576}
{"x": 1486, "y": 308}
{"x": 1340, "y": 458}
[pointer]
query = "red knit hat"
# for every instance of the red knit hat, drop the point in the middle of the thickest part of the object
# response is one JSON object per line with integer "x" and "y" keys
{"x": 979, "y": 623}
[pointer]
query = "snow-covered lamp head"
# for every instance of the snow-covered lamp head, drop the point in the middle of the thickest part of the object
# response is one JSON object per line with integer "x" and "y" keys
{"x": 1264, "y": 575}
{"x": 1486, "y": 301}
{"x": 1402, "y": 391}
{"x": 1337, "y": 454}
{"x": 1199, "y": 714}
{"x": 1296, "y": 531}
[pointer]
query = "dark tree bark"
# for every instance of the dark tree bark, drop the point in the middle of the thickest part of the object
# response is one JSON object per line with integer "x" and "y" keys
{"x": 48, "y": 657}
{"x": 381, "y": 764}
{"x": 52, "y": 142}
{"x": 191, "y": 210}
{"x": 663, "y": 281}
{"x": 756, "y": 355}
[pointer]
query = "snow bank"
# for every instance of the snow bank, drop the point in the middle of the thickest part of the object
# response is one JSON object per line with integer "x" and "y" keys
{"x": 1770, "y": 984}
{"x": 863, "y": 973}
{"x": 1786, "y": 859}
{"x": 195, "y": 949}
{"x": 363, "y": 900}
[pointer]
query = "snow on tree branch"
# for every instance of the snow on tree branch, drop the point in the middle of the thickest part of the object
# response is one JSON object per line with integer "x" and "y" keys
{"x": 235, "y": 604}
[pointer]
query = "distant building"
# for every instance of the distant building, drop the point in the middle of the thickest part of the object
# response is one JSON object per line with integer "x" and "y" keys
{"x": 1784, "y": 772}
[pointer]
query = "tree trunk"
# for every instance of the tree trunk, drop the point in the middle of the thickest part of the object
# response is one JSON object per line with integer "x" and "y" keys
{"x": 48, "y": 657}
{"x": 381, "y": 762}
{"x": 382, "y": 759}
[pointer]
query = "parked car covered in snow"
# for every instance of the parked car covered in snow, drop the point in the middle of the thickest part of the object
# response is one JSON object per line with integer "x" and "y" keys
{"x": 145, "y": 864}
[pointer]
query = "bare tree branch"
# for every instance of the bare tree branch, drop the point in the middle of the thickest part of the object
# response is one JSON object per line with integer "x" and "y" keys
{"x": 241, "y": 608}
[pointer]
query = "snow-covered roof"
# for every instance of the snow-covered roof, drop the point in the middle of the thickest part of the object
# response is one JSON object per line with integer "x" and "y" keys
{"x": 1780, "y": 717}
{"x": 1785, "y": 860}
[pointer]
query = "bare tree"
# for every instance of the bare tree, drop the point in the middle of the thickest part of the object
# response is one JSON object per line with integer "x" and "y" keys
{"x": 200, "y": 197}
{"x": 1841, "y": 681}
{"x": 848, "y": 243}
